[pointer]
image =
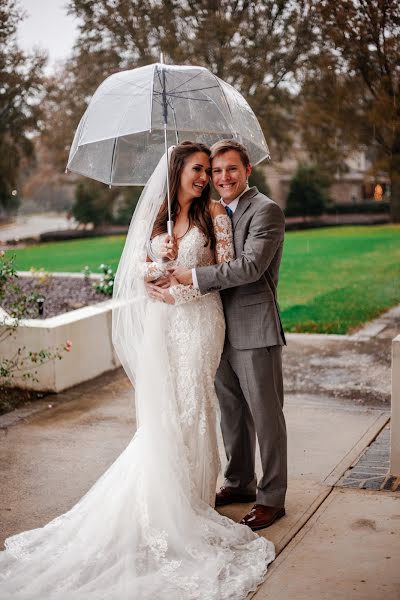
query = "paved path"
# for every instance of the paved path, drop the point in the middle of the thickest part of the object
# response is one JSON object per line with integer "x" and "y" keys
{"x": 349, "y": 549}
{"x": 336, "y": 542}
{"x": 32, "y": 225}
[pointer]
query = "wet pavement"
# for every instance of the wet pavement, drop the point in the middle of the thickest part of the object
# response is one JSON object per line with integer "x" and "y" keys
{"x": 52, "y": 451}
{"x": 349, "y": 369}
{"x": 337, "y": 407}
{"x": 23, "y": 226}
{"x": 354, "y": 367}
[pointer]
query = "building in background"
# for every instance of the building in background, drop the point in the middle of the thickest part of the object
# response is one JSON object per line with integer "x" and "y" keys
{"x": 355, "y": 186}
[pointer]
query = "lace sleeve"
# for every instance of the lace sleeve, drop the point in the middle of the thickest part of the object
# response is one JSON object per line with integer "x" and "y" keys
{"x": 224, "y": 249}
{"x": 152, "y": 270}
{"x": 184, "y": 293}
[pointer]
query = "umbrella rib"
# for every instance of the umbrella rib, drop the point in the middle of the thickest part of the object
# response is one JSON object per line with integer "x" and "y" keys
{"x": 219, "y": 110}
{"x": 80, "y": 128}
{"x": 174, "y": 115}
{"x": 152, "y": 100}
{"x": 175, "y": 94}
{"x": 162, "y": 93}
{"x": 112, "y": 160}
{"x": 159, "y": 79}
{"x": 205, "y": 131}
{"x": 224, "y": 95}
{"x": 189, "y": 98}
{"x": 211, "y": 87}
{"x": 185, "y": 82}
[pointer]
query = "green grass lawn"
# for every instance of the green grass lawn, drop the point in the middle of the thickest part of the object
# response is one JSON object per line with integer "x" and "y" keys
{"x": 72, "y": 255}
{"x": 332, "y": 279}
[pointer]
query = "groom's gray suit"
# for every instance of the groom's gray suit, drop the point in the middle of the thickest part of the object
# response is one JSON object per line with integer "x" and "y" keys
{"x": 249, "y": 379}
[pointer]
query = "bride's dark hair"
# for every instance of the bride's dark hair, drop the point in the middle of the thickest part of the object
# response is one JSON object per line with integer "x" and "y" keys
{"x": 199, "y": 212}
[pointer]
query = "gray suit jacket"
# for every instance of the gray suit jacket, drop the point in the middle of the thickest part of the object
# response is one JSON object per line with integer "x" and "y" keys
{"x": 248, "y": 283}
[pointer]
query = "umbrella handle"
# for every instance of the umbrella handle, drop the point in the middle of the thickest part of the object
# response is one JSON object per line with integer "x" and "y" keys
{"x": 170, "y": 228}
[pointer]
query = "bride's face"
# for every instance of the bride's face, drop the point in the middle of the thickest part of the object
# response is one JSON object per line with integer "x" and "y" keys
{"x": 194, "y": 175}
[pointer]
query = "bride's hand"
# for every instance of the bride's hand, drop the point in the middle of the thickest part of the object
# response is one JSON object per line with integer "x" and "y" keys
{"x": 158, "y": 293}
{"x": 163, "y": 282}
{"x": 169, "y": 249}
{"x": 166, "y": 281}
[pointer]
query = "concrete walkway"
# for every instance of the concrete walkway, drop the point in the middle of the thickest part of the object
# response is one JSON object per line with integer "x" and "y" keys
{"x": 24, "y": 226}
{"x": 334, "y": 543}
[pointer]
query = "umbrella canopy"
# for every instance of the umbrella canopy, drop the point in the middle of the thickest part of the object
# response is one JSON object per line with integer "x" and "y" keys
{"x": 134, "y": 114}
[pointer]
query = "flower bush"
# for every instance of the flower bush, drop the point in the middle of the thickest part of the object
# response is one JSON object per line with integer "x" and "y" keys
{"x": 106, "y": 283}
{"x": 42, "y": 277}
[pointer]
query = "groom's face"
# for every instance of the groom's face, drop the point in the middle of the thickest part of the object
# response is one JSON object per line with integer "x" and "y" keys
{"x": 229, "y": 175}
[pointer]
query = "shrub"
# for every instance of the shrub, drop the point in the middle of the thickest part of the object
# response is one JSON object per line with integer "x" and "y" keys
{"x": 126, "y": 205}
{"x": 258, "y": 179}
{"x": 307, "y": 193}
{"x": 93, "y": 203}
{"x": 367, "y": 207}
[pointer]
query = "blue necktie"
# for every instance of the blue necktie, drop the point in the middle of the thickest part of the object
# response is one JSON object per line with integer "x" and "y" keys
{"x": 229, "y": 212}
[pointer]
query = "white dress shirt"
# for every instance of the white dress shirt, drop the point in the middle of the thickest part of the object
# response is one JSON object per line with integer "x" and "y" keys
{"x": 233, "y": 206}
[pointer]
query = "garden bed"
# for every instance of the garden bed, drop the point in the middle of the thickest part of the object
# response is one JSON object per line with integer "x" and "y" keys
{"x": 61, "y": 294}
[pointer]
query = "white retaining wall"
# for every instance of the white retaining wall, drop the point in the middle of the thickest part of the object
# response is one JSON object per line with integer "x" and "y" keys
{"x": 92, "y": 353}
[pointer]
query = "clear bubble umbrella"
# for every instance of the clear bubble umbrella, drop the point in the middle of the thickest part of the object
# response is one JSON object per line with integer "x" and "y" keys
{"x": 135, "y": 115}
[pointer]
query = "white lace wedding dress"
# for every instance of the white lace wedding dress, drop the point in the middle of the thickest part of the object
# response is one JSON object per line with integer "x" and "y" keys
{"x": 147, "y": 528}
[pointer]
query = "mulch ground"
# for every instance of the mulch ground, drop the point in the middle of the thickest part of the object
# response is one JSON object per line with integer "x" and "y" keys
{"x": 11, "y": 398}
{"x": 60, "y": 294}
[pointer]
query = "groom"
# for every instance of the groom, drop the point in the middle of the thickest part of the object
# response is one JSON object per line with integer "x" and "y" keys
{"x": 249, "y": 378}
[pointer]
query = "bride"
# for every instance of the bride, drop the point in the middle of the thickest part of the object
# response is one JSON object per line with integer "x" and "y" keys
{"x": 147, "y": 528}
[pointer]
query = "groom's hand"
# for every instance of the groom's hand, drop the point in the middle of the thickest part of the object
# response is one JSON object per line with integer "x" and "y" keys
{"x": 183, "y": 275}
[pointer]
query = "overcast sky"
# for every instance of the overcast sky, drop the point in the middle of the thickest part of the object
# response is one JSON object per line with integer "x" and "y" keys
{"x": 47, "y": 25}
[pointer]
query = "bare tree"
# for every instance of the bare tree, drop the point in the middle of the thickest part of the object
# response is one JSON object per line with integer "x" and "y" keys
{"x": 257, "y": 46}
{"x": 21, "y": 88}
{"x": 351, "y": 94}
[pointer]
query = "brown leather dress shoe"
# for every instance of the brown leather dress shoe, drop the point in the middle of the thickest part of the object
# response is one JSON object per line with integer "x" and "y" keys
{"x": 228, "y": 495}
{"x": 262, "y": 516}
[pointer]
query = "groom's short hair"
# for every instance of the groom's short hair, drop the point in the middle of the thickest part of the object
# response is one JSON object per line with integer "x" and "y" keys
{"x": 225, "y": 146}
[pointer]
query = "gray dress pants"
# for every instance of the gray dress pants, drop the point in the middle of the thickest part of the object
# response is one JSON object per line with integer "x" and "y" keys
{"x": 249, "y": 387}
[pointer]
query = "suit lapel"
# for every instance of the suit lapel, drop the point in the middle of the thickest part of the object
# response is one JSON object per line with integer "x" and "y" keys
{"x": 243, "y": 205}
